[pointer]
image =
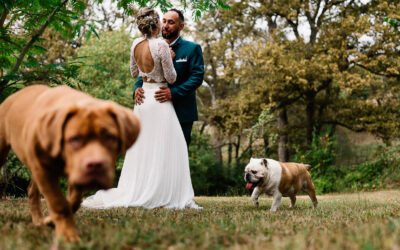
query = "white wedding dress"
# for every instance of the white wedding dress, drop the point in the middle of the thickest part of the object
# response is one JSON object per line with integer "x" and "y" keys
{"x": 156, "y": 168}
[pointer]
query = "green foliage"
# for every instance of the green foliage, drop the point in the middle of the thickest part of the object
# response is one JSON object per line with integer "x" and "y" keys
{"x": 379, "y": 173}
{"x": 208, "y": 175}
{"x": 365, "y": 176}
{"x": 22, "y": 25}
{"x": 320, "y": 155}
{"x": 106, "y": 73}
{"x": 14, "y": 177}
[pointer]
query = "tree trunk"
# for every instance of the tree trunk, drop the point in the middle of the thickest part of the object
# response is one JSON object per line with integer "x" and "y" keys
{"x": 237, "y": 148}
{"x": 218, "y": 154}
{"x": 229, "y": 153}
{"x": 3, "y": 17}
{"x": 310, "y": 110}
{"x": 216, "y": 142}
{"x": 266, "y": 144}
{"x": 203, "y": 126}
{"x": 4, "y": 179}
{"x": 283, "y": 140}
{"x": 251, "y": 143}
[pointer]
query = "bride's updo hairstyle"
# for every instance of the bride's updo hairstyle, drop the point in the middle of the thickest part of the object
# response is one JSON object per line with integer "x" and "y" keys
{"x": 147, "y": 20}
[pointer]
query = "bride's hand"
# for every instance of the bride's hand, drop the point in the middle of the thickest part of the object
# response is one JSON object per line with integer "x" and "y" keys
{"x": 172, "y": 53}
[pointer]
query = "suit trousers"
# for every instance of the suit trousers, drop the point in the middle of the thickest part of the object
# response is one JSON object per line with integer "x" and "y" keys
{"x": 187, "y": 130}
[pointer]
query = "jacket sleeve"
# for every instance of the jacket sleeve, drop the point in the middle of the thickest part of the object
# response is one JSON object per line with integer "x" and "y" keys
{"x": 196, "y": 71}
{"x": 138, "y": 84}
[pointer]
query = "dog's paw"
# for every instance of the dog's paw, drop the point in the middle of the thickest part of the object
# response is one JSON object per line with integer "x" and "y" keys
{"x": 73, "y": 238}
{"x": 70, "y": 235}
{"x": 37, "y": 222}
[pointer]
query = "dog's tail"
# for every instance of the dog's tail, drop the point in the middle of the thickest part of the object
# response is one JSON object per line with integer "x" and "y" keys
{"x": 307, "y": 166}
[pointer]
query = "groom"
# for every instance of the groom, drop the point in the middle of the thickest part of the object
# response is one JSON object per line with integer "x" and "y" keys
{"x": 189, "y": 66}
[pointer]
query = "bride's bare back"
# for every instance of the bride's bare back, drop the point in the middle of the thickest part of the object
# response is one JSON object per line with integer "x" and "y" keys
{"x": 143, "y": 57}
{"x": 151, "y": 59}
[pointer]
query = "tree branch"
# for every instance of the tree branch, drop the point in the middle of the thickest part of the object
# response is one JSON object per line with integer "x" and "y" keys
{"x": 344, "y": 125}
{"x": 290, "y": 22}
{"x": 3, "y": 17}
{"x": 11, "y": 42}
{"x": 14, "y": 173}
{"x": 36, "y": 36}
{"x": 316, "y": 12}
{"x": 376, "y": 73}
{"x": 286, "y": 102}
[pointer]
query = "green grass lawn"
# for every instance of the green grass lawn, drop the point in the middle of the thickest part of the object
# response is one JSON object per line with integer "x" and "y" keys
{"x": 342, "y": 221}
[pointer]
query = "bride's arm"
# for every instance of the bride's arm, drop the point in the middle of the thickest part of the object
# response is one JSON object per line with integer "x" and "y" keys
{"x": 167, "y": 64}
{"x": 133, "y": 65}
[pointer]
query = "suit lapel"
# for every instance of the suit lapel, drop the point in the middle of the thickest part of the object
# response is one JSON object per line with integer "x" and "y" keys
{"x": 176, "y": 44}
{"x": 179, "y": 53}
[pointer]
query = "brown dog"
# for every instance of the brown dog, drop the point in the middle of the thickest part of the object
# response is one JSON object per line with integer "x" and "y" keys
{"x": 278, "y": 179}
{"x": 61, "y": 131}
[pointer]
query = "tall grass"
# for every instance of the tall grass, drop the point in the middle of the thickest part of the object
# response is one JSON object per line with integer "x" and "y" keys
{"x": 346, "y": 221}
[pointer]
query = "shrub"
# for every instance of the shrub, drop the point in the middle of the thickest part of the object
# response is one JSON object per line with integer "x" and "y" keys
{"x": 14, "y": 178}
{"x": 208, "y": 175}
{"x": 320, "y": 155}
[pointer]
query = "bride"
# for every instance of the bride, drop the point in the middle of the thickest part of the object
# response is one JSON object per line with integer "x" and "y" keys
{"x": 156, "y": 168}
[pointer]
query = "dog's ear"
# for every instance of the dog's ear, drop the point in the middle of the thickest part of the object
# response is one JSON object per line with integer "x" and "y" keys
{"x": 49, "y": 129}
{"x": 128, "y": 125}
{"x": 264, "y": 162}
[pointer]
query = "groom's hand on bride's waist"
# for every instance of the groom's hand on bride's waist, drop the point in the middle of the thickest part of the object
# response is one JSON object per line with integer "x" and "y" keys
{"x": 139, "y": 96}
{"x": 163, "y": 95}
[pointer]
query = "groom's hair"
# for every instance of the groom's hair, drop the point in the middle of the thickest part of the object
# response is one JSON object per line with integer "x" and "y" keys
{"x": 181, "y": 17}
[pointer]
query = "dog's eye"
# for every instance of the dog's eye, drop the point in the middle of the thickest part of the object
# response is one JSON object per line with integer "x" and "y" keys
{"x": 111, "y": 139}
{"x": 253, "y": 171}
{"x": 75, "y": 141}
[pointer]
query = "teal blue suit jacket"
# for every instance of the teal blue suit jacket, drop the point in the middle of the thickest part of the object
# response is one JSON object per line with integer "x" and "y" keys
{"x": 189, "y": 66}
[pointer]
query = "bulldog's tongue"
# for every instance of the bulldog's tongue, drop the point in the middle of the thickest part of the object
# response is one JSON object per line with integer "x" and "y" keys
{"x": 249, "y": 185}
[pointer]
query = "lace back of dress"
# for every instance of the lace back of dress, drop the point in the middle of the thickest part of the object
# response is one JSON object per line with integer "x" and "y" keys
{"x": 157, "y": 73}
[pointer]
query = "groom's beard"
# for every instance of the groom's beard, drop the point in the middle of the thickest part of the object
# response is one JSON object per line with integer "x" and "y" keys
{"x": 170, "y": 35}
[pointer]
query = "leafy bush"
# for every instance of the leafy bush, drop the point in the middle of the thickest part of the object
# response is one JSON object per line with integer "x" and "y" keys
{"x": 380, "y": 173}
{"x": 320, "y": 155}
{"x": 14, "y": 177}
{"x": 208, "y": 175}
{"x": 106, "y": 73}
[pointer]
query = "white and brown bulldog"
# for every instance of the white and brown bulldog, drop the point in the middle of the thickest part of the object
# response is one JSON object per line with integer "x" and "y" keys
{"x": 278, "y": 179}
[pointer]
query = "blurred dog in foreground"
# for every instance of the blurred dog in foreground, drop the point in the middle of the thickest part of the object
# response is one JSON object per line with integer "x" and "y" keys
{"x": 61, "y": 131}
{"x": 278, "y": 179}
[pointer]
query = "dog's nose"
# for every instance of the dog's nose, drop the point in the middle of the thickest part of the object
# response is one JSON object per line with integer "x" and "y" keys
{"x": 247, "y": 177}
{"x": 94, "y": 164}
